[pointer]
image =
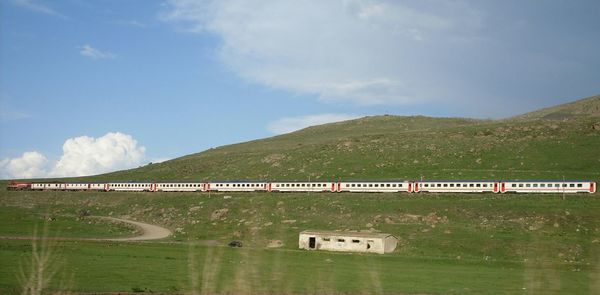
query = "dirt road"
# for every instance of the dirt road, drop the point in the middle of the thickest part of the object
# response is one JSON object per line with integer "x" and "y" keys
{"x": 149, "y": 231}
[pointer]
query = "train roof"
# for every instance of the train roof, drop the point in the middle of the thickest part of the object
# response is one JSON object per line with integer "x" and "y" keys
{"x": 459, "y": 180}
{"x": 376, "y": 181}
{"x": 548, "y": 180}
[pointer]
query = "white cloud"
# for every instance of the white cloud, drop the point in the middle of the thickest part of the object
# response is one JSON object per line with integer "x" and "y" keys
{"x": 37, "y": 7}
{"x": 364, "y": 51}
{"x": 86, "y": 155}
{"x": 130, "y": 23}
{"x": 286, "y": 125}
{"x": 9, "y": 115}
{"x": 81, "y": 156}
{"x": 29, "y": 165}
{"x": 93, "y": 53}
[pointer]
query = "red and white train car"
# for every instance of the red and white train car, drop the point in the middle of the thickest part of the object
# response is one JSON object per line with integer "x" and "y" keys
{"x": 42, "y": 186}
{"x": 456, "y": 186}
{"x": 131, "y": 186}
{"x": 376, "y": 186}
{"x": 181, "y": 187}
{"x": 548, "y": 186}
{"x": 238, "y": 186}
{"x": 294, "y": 186}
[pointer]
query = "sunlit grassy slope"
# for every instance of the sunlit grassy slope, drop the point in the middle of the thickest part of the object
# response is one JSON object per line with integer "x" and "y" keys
{"x": 550, "y": 144}
{"x": 449, "y": 243}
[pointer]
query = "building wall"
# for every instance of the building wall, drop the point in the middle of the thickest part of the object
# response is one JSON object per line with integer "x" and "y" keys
{"x": 348, "y": 243}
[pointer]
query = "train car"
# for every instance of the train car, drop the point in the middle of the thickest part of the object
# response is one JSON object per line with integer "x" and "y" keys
{"x": 376, "y": 186}
{"x": 181, "y": 187}
{"x": 98, "y": 186}
{"x": 238, "y": 186}
{"x": 456, "y": 186}
{"x": 131, "y": 186}
{"x": 43, "y": 186}
{"x": 548, "y": 186}
{"x": 77, "y": 186}
{"x": 18, "y": 186}
{"x": 301, "y": 186}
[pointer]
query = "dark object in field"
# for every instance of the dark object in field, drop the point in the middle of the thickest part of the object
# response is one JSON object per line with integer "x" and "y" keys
{"x": 235, "y": 244}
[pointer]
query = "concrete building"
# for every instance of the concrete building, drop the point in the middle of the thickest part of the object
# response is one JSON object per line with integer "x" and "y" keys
{"x": 347, "y": 241}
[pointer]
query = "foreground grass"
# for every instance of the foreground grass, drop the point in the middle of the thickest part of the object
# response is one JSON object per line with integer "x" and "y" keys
{"x": 91, "y": 266}
{"x": 448, "y": 243}
{"x": 21, "y": 222}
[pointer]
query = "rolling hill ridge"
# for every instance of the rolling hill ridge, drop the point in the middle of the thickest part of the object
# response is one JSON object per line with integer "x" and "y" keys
{"x": 552, "y": 143}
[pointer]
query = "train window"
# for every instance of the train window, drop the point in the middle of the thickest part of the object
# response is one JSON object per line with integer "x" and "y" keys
{"x": 370, "y": 185}
{"x": 520, "y": 185}
{"x": 426, "y": 185}
{"x": 387, "y": 185}
{"x": 535, "y": 185}
{"x": 376, "y": 185}
{"x": 452, "y": 185}
{"x": 326, "y": 239}
{"x": 528, "y": 185}
{"x": 355, "y": 241}
{"x": 439, "y": 185}
{"x": 564, "y": 185}
{"x": 287, "y": 185}
{"x": 579, "y": 185}
{"x": 400, "y": 185}
{"x": 393, "y": 185}
{"x": 556, "y": 185}
{"x": 358, "y": 185}
{"x": 303, "y": 185}
{"x": 471, "y": 184}
{"x": 341, "y": 240}
{"x": 542, "y": 185}
{"x": 353, "y": 185}
{"x": 572, "y": 185}
{"x": 313, "y": 185}
{"x": 445, "y": 185}
{"x": 478, "y": 185}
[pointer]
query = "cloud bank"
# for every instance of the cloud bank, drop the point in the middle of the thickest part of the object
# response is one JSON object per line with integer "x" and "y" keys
{"x": 368, "y": 52}
{"x": 37, "y": 7}
{"x": 81, "y": 156}
{"x": 93, "y": 53}
{"x": 290, "y": 124}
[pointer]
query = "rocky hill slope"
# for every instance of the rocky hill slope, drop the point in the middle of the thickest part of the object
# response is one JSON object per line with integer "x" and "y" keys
{"x": 557, "y": 142}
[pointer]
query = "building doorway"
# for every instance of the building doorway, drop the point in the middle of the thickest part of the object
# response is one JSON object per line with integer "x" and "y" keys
{"x": 312, "y": 241}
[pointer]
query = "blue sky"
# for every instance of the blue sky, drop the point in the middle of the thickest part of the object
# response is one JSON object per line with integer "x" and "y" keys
{"x": 94, "y": 86}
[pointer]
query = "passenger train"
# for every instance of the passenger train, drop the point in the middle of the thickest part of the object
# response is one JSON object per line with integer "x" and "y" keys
{"x": 424, "y": 186}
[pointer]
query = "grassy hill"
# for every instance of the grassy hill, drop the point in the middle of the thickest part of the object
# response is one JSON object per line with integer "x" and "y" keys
{"x": 581, "y": 108}
{"x": 449, "y": 243}
{"x": 553, "y": 143}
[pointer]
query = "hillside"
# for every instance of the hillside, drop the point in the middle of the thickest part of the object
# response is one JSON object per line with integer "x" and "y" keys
{"x": 534, "y": 145}
{"x": 581, "y": 108}
{"x": 470, "y": 243}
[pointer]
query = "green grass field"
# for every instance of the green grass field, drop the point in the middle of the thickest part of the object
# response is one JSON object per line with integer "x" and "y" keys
{"x": 449, "y": 244}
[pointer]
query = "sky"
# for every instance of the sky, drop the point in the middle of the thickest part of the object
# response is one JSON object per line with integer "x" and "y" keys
{"x": 88, "y": 87}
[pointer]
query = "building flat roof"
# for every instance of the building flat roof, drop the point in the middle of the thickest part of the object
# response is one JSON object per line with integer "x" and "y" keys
{"x": 346, "y": 234}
